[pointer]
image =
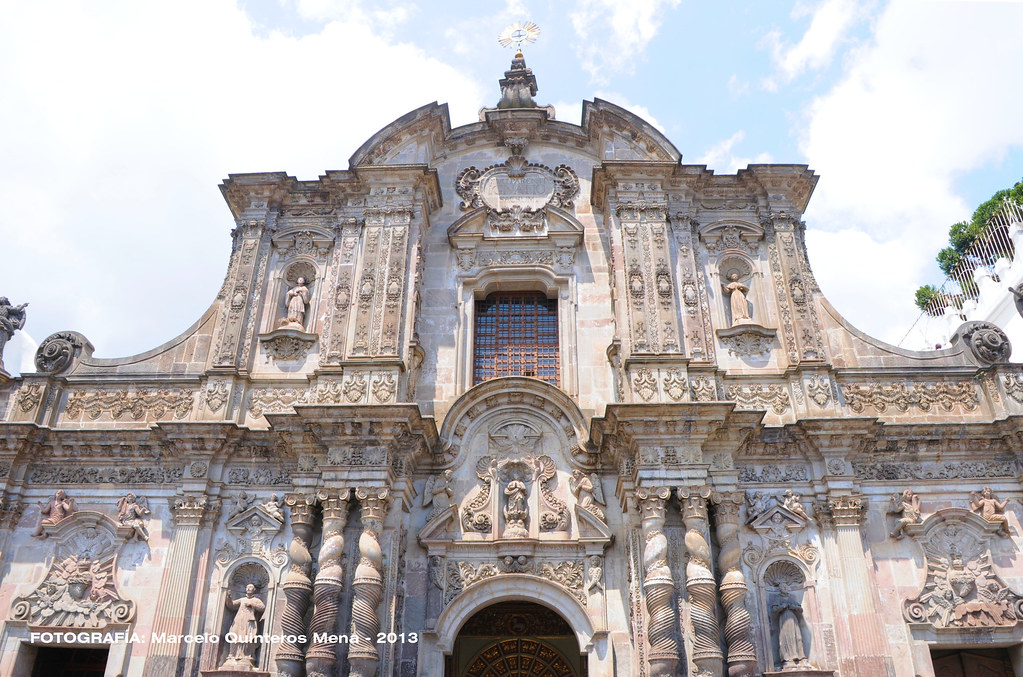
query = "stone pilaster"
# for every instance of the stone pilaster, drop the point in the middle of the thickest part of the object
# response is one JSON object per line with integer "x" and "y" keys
{"x": 700, "y": 581}
{"x": 368, "y": 583}
{"x": 321, "y": 656}
{"x": 166, "y": 659}
{"x": 297, "y": 585}
{"x": 742, "y": 659}
{"x": 657, "y": 583}
{"x": 863, "y": 647}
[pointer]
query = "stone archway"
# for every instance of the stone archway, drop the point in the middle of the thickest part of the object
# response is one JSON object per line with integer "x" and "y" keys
{"x": 516, "y": 639}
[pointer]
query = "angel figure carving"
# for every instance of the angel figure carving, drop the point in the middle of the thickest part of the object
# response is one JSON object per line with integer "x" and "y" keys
{"x": 132, "y": 512}
{"x": 737, "y": 291}
{"x": 908, "y": 507}
{"x": 588, "y": 492}
{"x": 793, "y": 504}
{"x": 54, "y": 510}
{"x": 990, "y": 508}
{"x": 594, "y": 573}
{"x": 438, "y": 493}
{"x": 273, "y": 508}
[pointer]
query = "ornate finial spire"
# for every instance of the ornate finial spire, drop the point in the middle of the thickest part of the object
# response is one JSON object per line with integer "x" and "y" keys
{"x": 519, "y": 84}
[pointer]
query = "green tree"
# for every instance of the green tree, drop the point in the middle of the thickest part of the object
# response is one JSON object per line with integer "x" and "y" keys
{"x": 963, "y": 234}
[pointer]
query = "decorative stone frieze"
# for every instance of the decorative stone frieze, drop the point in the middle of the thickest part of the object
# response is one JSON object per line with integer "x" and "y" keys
{"x": 771, "y": 396}
{"x": 902, "y": 396}
{"x": 901, "y": 470}
{"x": 138, "y": 403}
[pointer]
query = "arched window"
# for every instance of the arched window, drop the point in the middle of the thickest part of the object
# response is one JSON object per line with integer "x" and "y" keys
{"x": 516, "y": 335}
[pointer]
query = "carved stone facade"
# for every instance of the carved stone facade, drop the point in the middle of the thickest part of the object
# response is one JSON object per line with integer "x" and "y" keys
{"x": 726, "y": 479}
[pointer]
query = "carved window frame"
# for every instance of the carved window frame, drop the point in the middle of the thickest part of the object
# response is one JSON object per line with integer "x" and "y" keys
{"x": 561, "y": 287}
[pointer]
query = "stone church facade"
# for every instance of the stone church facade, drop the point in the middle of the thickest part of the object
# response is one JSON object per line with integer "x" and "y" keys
{"x": 520, "y": 397}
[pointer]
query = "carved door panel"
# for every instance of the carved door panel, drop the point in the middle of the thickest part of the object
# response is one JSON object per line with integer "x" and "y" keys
{"x": 978, "y": 663}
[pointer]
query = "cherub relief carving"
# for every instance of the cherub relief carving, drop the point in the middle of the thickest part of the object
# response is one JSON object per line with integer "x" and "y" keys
{"x": 908, "y": 507}
{"x": 132, "y": 512}
{"x": 990, "y": 508}
{"x": 53, "y": 511}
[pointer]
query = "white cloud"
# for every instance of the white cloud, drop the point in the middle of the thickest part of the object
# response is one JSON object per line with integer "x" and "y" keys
{"x": 121, "y": 120}
{"x": 722, "y": 158}
{"x": 832, "y": 20}
{"x": 927, "y": 101}
{"x": 611, "y": 34}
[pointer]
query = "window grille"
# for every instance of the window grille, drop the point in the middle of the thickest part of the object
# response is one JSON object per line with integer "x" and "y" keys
{"x": 516, "y": 335}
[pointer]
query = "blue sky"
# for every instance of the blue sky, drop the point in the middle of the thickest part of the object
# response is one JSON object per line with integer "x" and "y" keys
{"x": 120, "y": 118}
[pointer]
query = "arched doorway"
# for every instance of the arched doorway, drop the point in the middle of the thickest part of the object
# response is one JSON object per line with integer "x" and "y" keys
{"x": 516, "y": 639}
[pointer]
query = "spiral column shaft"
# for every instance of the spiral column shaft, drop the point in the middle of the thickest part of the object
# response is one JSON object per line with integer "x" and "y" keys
{"x": 297, "y": 586}
{"x": 368, "y": 583}
{"x": 321, "y": 656}
{"x": 700, "y": 583}
{"x": 657, "y": 584}
{"x": 742, "y": 658}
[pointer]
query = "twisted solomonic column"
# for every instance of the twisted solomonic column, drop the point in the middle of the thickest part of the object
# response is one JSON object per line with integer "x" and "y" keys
{"x": 742, "y": 657}
{"x": 297, "y": 586}
{"x": 368, "y": 583}
{"x": 657, "y": 583}
{"x": 321, "y": 656}
{"x": 700, "y": 582}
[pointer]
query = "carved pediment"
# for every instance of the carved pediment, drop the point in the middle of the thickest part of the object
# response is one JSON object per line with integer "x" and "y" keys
{"x": 962, "y": 589}
{"x": 778, "y": 518}
{"x": 80, "y": 589}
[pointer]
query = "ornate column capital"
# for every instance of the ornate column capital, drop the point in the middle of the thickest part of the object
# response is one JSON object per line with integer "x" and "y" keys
{"x": 727, "y": 505}
{"x": 303, "y": 508}
{"x": 191, "y": 510}
{"x": 651, "y": 502}
{"x": 694, "y": 502}
{"x": 841, "y": 511}
{"x": 334, "y": 504}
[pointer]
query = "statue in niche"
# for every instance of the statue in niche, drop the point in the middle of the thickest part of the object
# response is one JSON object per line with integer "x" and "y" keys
{"x": 244, "y": 630}
{"x": 990, "y": 508}
{"x": 787, "y": 614}
{"x": 132, "y": 513}
{"x": 908, "y": 507}
{"x": 792, "y": 504}
{"x": 438, "y": 492}
{"x": 12, "y": 318}
{"x": 516, "y": 511}
{"x": 54, "y": 510}
{"x": 588, "y": 492}
{"x": 297, "y": 299}
{"x": 737, "y": 290}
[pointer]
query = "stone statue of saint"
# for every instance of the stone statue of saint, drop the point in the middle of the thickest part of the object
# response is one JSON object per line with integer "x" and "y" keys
{"x": 297, "y": 300}
{"x": 738, "y": 291}
{"x": 515, "y": 510}
{"x": 242, "y": 637}
{"x": 12, "y": 318}
{"x": 787, "y": 613}
{"x": 132, "y": 514}
{"x": 907, "y": 506}
{"x": 54, "y": 510}
{"x": 990, "y": 508}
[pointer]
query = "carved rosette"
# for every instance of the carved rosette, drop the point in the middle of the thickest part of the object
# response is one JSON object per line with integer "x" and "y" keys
{"x": 368, "y": 583}
{"x": 297, "y": 585}
{"x": 742, "y": 659}
{"x": 658, "y": 585}
{"x": 320, "y": 657}
{"x": 700, "y": 580}
{"x": 987, "y": 343}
